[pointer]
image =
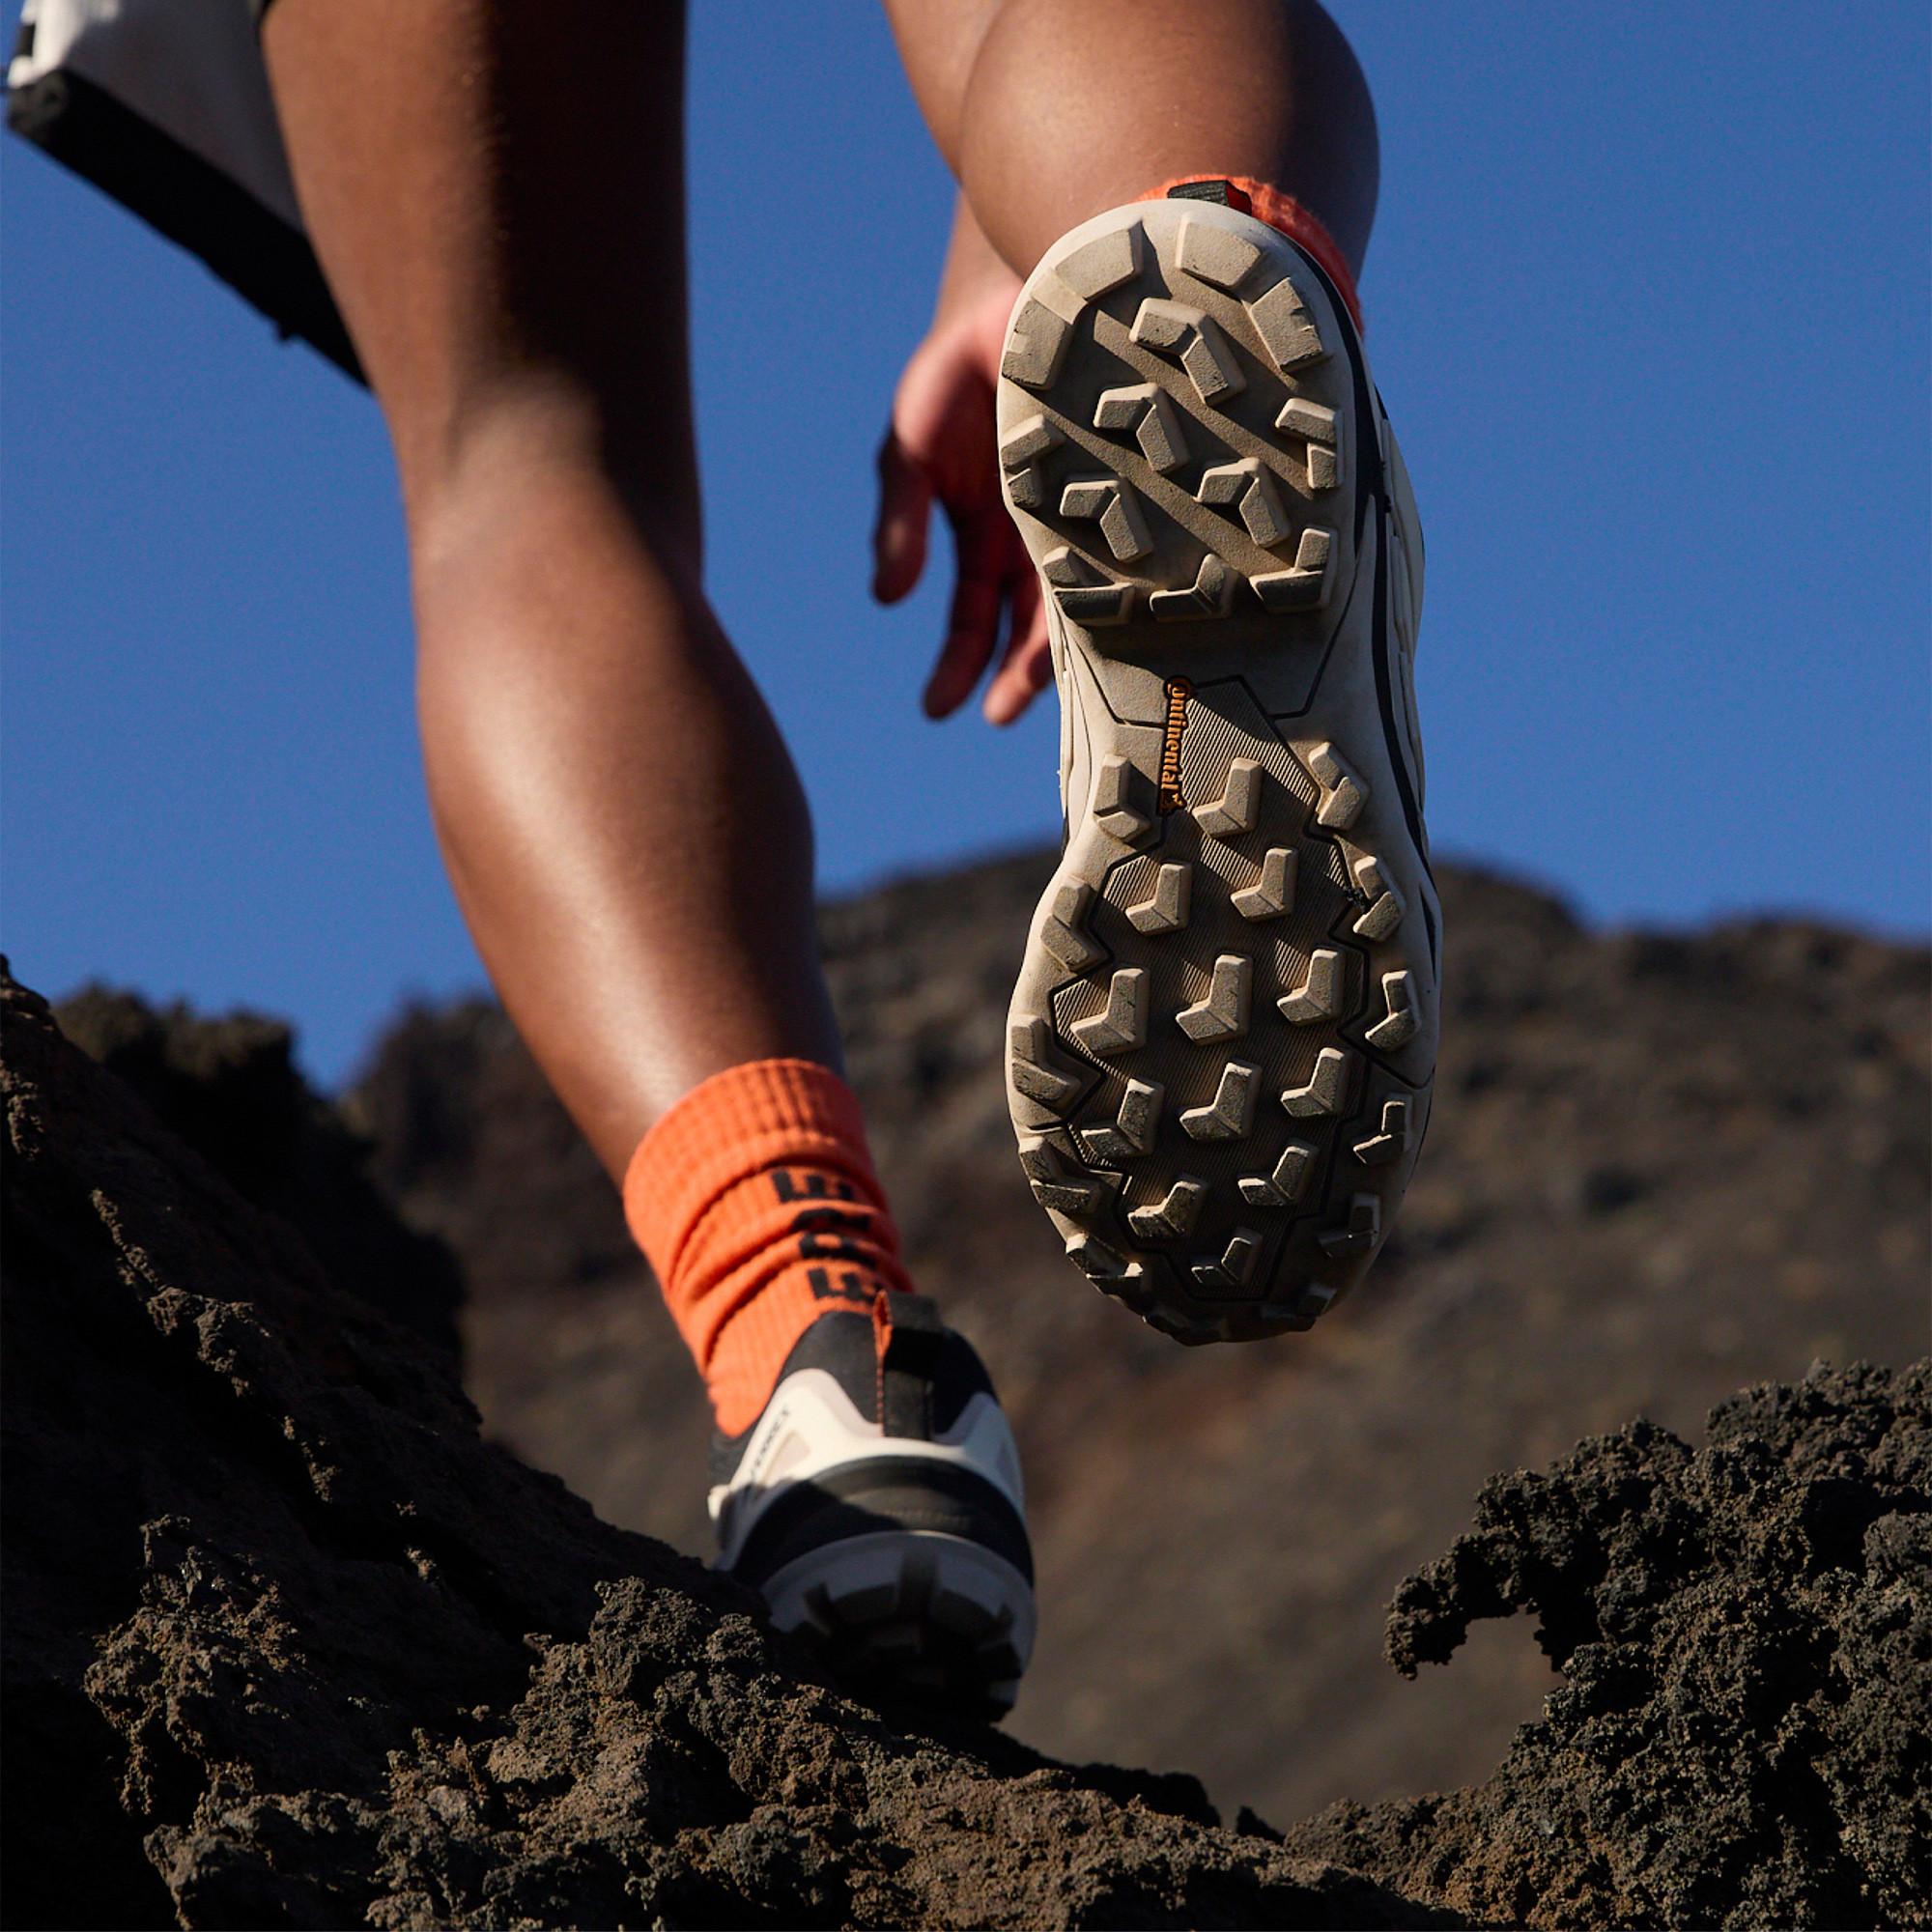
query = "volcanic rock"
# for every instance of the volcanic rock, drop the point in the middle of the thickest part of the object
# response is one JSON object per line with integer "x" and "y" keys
{"x": 286, "y": 1643}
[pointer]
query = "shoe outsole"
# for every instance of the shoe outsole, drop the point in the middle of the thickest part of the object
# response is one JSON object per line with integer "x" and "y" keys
{"x": 913, "y": 1617}
{"x": 1223, "y": 1037}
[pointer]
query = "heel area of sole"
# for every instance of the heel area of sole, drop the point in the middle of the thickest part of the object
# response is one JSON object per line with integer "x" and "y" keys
{"x": 1179, "y": 433}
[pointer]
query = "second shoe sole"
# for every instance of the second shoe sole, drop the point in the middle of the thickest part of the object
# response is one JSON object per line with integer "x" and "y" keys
{"x": 915, "y": 1617}
{"x": 1223, "y": 1037}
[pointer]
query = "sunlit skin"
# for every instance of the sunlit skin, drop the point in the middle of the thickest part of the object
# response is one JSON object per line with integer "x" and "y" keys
{"x": 496, "y": 193}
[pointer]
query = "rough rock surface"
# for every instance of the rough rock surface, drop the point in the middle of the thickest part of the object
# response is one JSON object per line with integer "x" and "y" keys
{"x": 1660, "y": 1166}
{"x": 287, "y": 1643}
{"x": 1744, "y": 1735}
{"x": 230, "y": 1088}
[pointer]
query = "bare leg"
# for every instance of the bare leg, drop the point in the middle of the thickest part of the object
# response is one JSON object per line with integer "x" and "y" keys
{"x": 1049, "y": 111}
{"x": 496, "y": 193}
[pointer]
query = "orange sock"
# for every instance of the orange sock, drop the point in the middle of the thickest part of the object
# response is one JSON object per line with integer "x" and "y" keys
{"x": 1283, "y": 212}
{"x": 755, "y": 1200}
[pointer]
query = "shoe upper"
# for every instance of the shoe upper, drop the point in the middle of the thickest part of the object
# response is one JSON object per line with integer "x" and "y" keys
{"x": 885, "y": 1421}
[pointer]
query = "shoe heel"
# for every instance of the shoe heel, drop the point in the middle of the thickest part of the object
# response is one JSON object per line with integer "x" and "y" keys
{"x": 913, "y": 1616}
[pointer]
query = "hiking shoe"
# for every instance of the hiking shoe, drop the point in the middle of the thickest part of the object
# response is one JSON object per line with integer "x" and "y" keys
{"x": 1222, "y": 1038}
{"x": 876, "y": 1505}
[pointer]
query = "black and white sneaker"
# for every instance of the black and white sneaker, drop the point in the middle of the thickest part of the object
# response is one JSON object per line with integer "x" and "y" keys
{"x": 876, "y": 1505}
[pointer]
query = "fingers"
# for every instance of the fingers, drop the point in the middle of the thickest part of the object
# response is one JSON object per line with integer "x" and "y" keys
{"x": 1028, "y": 665}
{"x": 942, "y": 449}
{"x": 905, "y": 508}
{"x": 973, "y": 628}
{"x": 996, "y": 579}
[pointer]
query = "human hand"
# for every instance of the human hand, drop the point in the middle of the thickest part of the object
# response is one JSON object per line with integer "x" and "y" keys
{"x": 941, "y": 446}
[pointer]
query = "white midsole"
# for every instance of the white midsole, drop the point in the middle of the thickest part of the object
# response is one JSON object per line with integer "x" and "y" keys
{"x": 811, "y": 1426}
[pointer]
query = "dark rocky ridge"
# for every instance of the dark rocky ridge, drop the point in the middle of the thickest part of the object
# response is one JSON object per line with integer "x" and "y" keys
{"x": 1746, "y": 1637}
{"x": 287, "y": 1643}
{"x": 1659, "y": 1166}
{"x": 229, "y": 1087}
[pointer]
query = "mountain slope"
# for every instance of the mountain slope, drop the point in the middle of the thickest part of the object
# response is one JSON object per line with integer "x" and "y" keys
{"x": 1660, "y": 1166}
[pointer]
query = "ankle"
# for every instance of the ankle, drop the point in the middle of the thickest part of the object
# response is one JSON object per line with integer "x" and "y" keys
{"x": 1282, "y": 211}
{"x": 755, "y": 1200}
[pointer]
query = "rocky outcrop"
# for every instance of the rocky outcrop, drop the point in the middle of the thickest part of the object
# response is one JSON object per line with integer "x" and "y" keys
{"x": 287, "y": 1643}
{"x": 229, "y": 1087}
{"x": 1744, "y": 1632}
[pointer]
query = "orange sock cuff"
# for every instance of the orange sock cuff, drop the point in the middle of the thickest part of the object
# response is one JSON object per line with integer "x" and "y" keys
{"x": 1283, "y": 212}
{"x": 755, "y": 1200}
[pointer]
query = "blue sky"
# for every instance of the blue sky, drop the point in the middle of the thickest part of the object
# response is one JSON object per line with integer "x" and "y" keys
{"x": 1648, "y": 300}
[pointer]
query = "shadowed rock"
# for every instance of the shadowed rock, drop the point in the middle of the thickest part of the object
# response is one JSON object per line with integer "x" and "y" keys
{"x": 270, "y": 1601}
{"x": 1745, "y": 1631}
{"x": 287, "y": 1643}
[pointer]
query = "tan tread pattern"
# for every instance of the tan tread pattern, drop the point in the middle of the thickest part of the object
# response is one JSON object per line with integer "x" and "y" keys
{"x": 1104, "y": 263}
{"x": 1198, "y": 464}
{"x": 1319, "y": 995}
{"x": 1326, "y": 1089}
{"x": 1036, "y": 347}
{"x": 1304, "y": 586}
{"x": 1342, "y": 793}
{"x": 1222, "y": 1011}
{"x": 1236, "y": 1267}
{"x": 1119, "y": 792}
{"x": 1064, "y": 932}
{"x": 1083, "y": 592}
{"x": 1122, "y": 1023}
{"x": 1385, "y": 904}
{"x": 1391, "y": 1142}
{"x": 1132, "y": 1130}
{"x": 1360, "y": 1231}
{"x": 1095, "y": 1260}
{"x": 1165, "y": 910}
{"x": 1322, "y": 431}
{"x": 1175, "y": 1214}
{"x": 1287, "y": 1182}
{"x": 1207, "y": 596}
{"x": 1231, "y": 1115}
{"x": 1056, "y": 1184}
{"x": 1238, "y": 808}
{"x": 1251, "y": 488}
{"x": 1150, "y": 412}
{"x": 1399, "y": 1027}
{"x": 1214, "y": 255}
{"x": 1272, "y": 894}
{"x": 1110, "y": 501}
{"x": 1020, "y": 454}
{"x": 1031, "y": 1061}
{"x": 1286, "y": 329}
{"x": 1196, "y": 342}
